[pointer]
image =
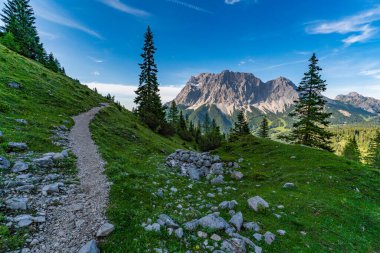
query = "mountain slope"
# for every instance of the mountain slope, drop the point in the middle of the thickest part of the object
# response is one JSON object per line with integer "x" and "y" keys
{"x": 369, "y": 104}
{"x": 221, "y": 95}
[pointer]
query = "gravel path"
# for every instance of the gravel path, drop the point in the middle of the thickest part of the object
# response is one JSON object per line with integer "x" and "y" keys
{"x": 70, "y": 225}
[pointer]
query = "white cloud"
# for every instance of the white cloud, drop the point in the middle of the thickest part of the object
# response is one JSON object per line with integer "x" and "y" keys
{"x": 372, "y": 73}
{"x": 360, "y": 26}
{"x": 246, "y": 61}
{"x": 95, "y": 60}
{"x": 96, "y": 73}
{"x": 231, "y": 1}
{"x": 190, "y": 6}
{"x": 118, "y": 5}
{"x": 48, "y": 35}
{"x": 49, "y": 12}
{"x": 126, "y": 93}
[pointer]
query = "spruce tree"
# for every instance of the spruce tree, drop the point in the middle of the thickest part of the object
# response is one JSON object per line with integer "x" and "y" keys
{"x": 241, "y": 126}
{"x": 173, "y": 114}
{"x": 206, "y": 124}
{"x": 309, "y": 129}
{"x": 149, "y": 106}
{"x": 182, "y": 122}
{"x": 373, "y": 157}
{"x": 351, "y": 150}
{"x": 18, "y": 18}
{"x": 264, "y": 128}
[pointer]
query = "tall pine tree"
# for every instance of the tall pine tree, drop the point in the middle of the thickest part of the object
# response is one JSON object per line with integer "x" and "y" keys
{"x": 149, "y": 106}
{"x": 351, "y": 150}
{"x": 310, "y": 130}
{"x": 173, "y": 116}
{"x": 373, "y": 157}
{"x": 241, "y": 126}
{"x": 264, "y": 128}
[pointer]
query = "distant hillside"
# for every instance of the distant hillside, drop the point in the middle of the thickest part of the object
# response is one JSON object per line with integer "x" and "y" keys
{"x": 369, "y": 104}
{"x": 222, "y": 95}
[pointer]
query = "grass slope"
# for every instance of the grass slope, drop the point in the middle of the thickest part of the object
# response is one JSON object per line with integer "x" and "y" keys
{"x": 45, "y": 100}
{"x": 325, "y": 204}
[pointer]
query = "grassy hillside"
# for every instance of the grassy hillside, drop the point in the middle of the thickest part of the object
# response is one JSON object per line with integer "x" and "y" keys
{"x": 45, "y": 100}
{"x": 335, "y": 201}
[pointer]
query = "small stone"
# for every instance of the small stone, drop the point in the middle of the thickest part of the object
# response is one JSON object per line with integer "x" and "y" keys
{"x": 105, "y": 230}
{"x": 51, "y": 188}
{"x": 288, "y": 185}
{"x": 4, "y": 163}
{"x": 202, "y": 234}
{"x": 22, "y": 121}
{"x": 154, "y": 227}
{"x": 257, "y": 203}
{"x": 303, "y": 233}
{"x": 14, "y": 85}
{"x": 19, "y": 167}
{"x": 218, "y": 180}
{"x": 24, "y": 223}
{"x": 210, "y": 195}
{"x": 179, "y": 232}
{"x": 44, "y": 162}
{"x": 281, "y": 232}
{"x": 168, "y": 222}
{"x": 237, "y": 175}
{"x": 17, "y": 203}
{"x": 269, "y": 237}
{"x": 173, "y": 189}
{"x": 17, "y": 146}
{"x": 212, "y": 221}
{"x": 257, "y": 236}
{"x": 237, "y": 220}
{"x": 216, "y": 238}
{"x": 191, "y": 225}
{"x": 252, "y": 226}
{"x": 90, "y": 247}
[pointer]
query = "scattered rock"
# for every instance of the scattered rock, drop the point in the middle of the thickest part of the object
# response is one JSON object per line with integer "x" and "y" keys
{"x": 191, "y": 225}
{"x": 4, "y": 163}
{"x": 44, "y": 162}
{"x": 17, "y": 203}
{"x": 218, "y": 180}
{"x": 269, "y": 237}
{"x": 213, "y": 221}
{"x": 105, "y": 230}
{"x": 257, "y": 203}
{"x": 257, "y": 236}
{"x": 217, "y": 169}
{"x": 237, "y": 175}
{"x": 90, "y": 247}
{"x": 281, "y": 232}
{"x": 51, "y": 188}
{"x": 228, "y": 204}
{"x": 167, "y": 221}
{"x": 288, "y": 185}
{"x": 154, "y": 227}
{"x": 19, "y": 167}
{"x": 252, "y": 226}
{"x": 234, "y": 245}
{"x": 14, "y": 85}
{"x": 237, "y": 220}
{"x": 17, "y": 146}
{"x": 179, "y": 232}
{"x": 202, "y": 234}
{"x": 22, "y": 121}
{"x": 216, "y": 238}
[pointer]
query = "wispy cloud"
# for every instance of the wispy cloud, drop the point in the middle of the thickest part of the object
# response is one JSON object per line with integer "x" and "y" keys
{"x": 190, "y": 6}
{"x": 246, "y": 61}
{"x": 95, "y": 60}
{"x": 53, "y": 14}
{"x": 231, "y": 1}
{"x": 120, "y": 6}
{"x": 48, "y": 35}
{"x": 372, "y": 72}
{"x": 360, "y": 27}
{"x": 96, "y": 73}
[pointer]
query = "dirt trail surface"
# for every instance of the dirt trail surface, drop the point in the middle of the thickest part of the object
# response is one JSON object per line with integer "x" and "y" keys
{"x": 70, "y": 225}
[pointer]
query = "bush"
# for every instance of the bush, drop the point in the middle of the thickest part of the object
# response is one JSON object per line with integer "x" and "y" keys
{"x": 185, "y": 135}
{"x": 209, "y": 142}
{"x": 166, "y": 129}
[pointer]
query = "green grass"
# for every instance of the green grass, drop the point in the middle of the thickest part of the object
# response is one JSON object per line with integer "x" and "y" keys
{"x": 46, "y": 100}
{"x": 324, "y": 204}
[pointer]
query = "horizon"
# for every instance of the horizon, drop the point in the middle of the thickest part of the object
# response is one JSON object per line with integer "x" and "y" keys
{"x": 207, "y": 37}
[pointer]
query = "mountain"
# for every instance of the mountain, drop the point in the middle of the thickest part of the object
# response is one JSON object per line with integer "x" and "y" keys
{"x": 221, "y": 95}
{"x": 369, "y": 104}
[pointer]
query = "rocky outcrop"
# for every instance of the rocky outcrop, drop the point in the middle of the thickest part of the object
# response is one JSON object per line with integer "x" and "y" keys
{"x": 366, "y": 103}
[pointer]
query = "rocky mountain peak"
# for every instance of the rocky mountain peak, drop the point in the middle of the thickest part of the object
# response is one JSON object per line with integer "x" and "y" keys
{"x": 230, "y": 91}
{"x": 369, "y": 104}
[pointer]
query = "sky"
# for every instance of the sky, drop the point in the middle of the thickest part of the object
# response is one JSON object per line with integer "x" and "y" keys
{"x": 99, "y": 41}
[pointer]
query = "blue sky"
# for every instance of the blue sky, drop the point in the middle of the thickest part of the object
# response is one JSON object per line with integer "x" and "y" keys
{"x": 99, "y": 41}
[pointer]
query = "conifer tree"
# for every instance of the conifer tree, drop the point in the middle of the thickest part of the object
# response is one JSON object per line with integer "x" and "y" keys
{"x": 149, "y": 106}
{"x": 181, "y": 122}
{"x": 241, "y": 126}
{"x": 351, "y": 150}
{"x": 309, "y": 129}
{"x": 19, "y": 20}
{"x": 173, "y": 114}
{"x": 373, "y": 157}
{"x": 206, "y": 124}
{"x": 264, "y": 128}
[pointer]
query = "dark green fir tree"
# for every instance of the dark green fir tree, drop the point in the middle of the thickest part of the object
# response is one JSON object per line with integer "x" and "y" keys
{"x": 264, "y": 128}
{"x": 373, "y": 157}
{"x": 351, "y": 150}
{"x": 311, "y": 118}
{"x": 148, "y": 100}
{"x": 173, "y": 116}
{"x": 241, "y": 126}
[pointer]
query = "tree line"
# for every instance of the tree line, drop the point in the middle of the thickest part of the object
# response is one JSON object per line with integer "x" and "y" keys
{"x": 19, "y": 34}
